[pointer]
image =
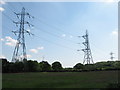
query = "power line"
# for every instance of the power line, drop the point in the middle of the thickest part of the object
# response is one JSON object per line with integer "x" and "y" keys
{"x": 45, "y": 30}
{"x": 54, "y": 28}
{"x": 7, "y": 16}
{"x": 44, "y": 38}
{"x": 99, "y": 51}
{"x": 54, "y": 43}
{"x": 12, "y": 8}
{"x": 20, "y": 3}
{"x": 49, "y": 32}
{"x": 41, "y": 21}
{"x": 55, "y": 35}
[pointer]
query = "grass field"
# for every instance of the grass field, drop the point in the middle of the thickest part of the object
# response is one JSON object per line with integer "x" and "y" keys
{"x": 94, "y": 79}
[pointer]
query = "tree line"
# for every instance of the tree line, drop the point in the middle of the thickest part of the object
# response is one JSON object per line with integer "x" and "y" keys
{"x": 44, "y": 66}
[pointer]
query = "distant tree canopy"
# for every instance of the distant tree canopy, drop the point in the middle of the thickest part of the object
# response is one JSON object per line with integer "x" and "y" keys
{"x": 5, "y": 65}
{"x": 44, "y": 66}
{"x": 78, "y": 66}
{"x": 33, "y": 66}
{"x": 89, "y": 67}
{"x": 57, "y": 66}
{"x": 107, "y": 65}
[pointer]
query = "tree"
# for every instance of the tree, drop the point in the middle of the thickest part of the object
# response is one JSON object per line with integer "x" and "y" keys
{"x": 56, "y": 66}
{"x": 12, "y": 67}
{"x": 45, "y": 66}
{"x": 5, "y": 65}
{"x": 33, "y": 66}
{"x": 18, "y": 67}
{"x": 78, "y": 66}
{"x": 117, "y": 65}
{"x": 109, "y": 65}
{"x": 89, "y": 67}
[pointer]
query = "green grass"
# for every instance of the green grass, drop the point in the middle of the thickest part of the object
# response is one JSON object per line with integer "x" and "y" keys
{"x": 98, "y": 79}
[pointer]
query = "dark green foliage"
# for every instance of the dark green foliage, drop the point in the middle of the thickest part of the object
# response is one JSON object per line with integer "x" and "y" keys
{"x": 89, "y": 67}
{"x": 78, "y": 66}
{"x": 45, "y": 66}
{"x": 116, "y": 65}
{"x": 109, "y": 65}
{"x": 33, "y": 66}
{"x": 12, "y": 68}
{"x": 56, "y": 66}
{"x": 18, "y": 66}
{"x": 5, "y": 65}
{"x": 68, "y": 69}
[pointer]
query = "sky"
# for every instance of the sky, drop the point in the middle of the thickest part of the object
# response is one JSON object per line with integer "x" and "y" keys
{"x": 57, "y": 26}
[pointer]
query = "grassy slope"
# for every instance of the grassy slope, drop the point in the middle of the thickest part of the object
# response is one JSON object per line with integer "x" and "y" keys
{"x": 97, "y": 79}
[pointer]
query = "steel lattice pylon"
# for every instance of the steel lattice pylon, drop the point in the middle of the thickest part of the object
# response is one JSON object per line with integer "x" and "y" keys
{"x": 87, "y": 51}
{"x": 19, "y": 53}
{"x": 111, "y": 56}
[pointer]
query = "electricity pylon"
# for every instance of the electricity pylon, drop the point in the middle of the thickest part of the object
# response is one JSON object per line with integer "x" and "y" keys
{"x": 19, "y": 53}
{"x": 111, "y": 56}
{"x": 87, "y": 51}
{"x": 43, "y": 58}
